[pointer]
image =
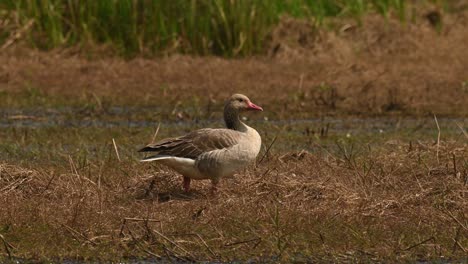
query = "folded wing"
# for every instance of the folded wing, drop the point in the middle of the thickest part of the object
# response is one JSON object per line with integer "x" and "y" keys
{"x": 195, "y": 143}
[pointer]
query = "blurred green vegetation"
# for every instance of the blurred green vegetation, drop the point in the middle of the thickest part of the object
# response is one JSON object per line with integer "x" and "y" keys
{"x": 219, "y": 27}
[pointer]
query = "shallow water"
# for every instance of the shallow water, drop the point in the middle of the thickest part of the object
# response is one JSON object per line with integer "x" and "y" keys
{"x": 36, "y": 135}
{"x": 133, "y": 117}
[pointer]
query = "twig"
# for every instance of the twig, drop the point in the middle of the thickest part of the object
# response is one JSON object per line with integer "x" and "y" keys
{"x": 206, "y": 245}
{"x": 454, "y": 165}
{"x": 420, "y": 243}
{"x": 49, "y": 183}
{"x": 268, "y": 149}
{"x": 242, "y": 242}
{"x": 459, "y": 245}
{"x": 15, "y": 184}
{"x": 366, "y": 253}
{"x": 141, "y": 247}
{"x": 456, "y": 220}
{"x": 438, "y": 138}
{"x": 99, "y": 190}
{"x": 155, "y": 133}
{"x": 301, "y": 81}
{"x": 261, "y": 177}
{"x": 116, "y": 150}
{"x": 98, "y": 101}
{"x": 174, "y": 243}
{"x": 7, "y": 246}
{"x": 124, "y": 222}
{"x": 463, "y": 130}
{"x": 72, "y": 166}
{"x": 141, "y": 219}
{"x": 202, "y": 240}
{"x": 174, "y": 254}
{"x": 75, "y": 171}
{"x": 149, "y": 252}
{"x": 17, "y": 35}
{"x": 455, "y": 240}
{"x": 75, "y": 233}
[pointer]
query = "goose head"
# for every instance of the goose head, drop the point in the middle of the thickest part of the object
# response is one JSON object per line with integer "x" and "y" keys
{"x": 240, "y": 103}
{"x": 236, "y": 104}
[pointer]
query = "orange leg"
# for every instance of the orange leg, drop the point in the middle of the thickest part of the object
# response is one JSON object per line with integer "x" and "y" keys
{"x": 186, "y": 184}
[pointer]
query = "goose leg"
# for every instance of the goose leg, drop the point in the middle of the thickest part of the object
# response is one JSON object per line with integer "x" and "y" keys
{"x": 186, "y": 184}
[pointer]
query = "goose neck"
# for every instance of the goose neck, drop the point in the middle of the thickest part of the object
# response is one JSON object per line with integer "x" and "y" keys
{"x": 231, "y": 118}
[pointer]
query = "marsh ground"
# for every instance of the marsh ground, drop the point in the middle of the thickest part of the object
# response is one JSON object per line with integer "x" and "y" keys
{"x": 357, "y": 172}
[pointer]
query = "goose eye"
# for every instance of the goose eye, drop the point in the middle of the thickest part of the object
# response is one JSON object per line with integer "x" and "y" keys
{"x": 240, "y": 100}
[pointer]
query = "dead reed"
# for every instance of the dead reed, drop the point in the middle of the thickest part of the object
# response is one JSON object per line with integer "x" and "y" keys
{"x": 228, "y": 28}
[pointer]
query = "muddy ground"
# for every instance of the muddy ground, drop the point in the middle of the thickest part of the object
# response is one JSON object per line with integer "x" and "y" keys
{"x": 380, "y": 67}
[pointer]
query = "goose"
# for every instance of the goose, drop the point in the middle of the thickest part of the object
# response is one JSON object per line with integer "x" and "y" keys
{"x": 211, "y": 153}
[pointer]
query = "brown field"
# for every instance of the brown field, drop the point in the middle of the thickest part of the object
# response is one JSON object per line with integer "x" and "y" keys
{"x": 344, "y": 195}
{"x": 382, "y": 67}
{"x": 395, "y": 203}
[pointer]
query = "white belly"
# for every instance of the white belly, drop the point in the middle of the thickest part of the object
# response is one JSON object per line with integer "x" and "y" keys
{"x": 184, "y": 166}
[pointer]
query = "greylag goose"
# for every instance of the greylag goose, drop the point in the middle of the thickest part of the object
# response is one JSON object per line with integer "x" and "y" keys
{"x": 211, "y": 153}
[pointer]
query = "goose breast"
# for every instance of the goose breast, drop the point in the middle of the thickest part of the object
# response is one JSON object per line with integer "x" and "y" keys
{"x": 225, "y": 162}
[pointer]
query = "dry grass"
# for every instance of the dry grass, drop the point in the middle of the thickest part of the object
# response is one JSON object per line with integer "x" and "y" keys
{"x": 394, "y": 203}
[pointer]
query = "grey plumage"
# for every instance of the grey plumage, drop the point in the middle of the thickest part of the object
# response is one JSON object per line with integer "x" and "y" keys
{"x": 195, "y": 143}
{"x": 211, "y": 153}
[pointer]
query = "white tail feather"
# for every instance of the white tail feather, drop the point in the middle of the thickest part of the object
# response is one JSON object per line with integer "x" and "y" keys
{"x": 157, "y": 157}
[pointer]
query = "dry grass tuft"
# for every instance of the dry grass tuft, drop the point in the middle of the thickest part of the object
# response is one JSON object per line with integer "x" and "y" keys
{"x": 17, "y": 180}
{"x": 397, "y": 202}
